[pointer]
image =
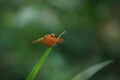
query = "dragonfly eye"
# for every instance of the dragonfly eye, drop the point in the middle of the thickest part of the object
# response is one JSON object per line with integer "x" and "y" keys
{"x": 52, "y": 34}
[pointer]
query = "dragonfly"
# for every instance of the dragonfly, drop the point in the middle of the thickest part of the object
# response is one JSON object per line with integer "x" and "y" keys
{"x": 48, "y": 40}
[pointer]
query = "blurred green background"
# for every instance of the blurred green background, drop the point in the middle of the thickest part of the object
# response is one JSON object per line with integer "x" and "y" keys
{"x": 92, "y": 36}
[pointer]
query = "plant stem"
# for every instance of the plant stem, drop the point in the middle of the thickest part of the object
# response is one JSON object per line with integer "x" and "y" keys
{"x": 36, "y": 68}
{"x": 40, "y": 62}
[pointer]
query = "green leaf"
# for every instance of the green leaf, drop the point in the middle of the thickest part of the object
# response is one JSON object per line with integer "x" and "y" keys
{"x": 37, "y": 67}
{"x": 86, "y": 74}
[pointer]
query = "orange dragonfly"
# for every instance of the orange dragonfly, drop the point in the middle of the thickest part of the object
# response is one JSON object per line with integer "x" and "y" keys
{"x": 48, "y": 40}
